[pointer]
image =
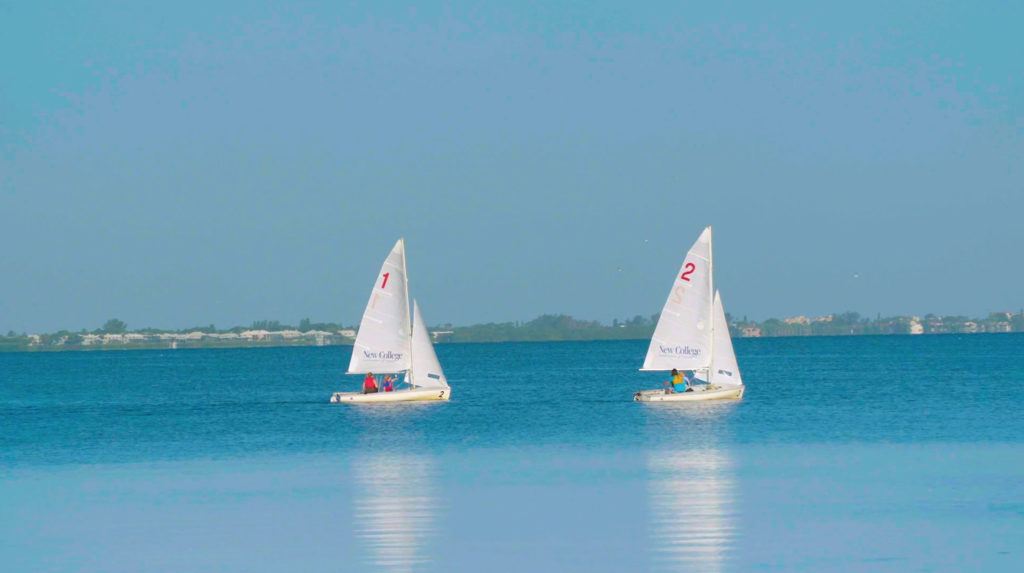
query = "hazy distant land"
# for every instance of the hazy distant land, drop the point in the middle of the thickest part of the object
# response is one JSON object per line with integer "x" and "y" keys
{"x": 115, "y": 334}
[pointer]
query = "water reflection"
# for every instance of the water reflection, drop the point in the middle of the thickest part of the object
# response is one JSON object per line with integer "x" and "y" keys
{"x": 395, "y": 509}
{"x": 693, "y": 509}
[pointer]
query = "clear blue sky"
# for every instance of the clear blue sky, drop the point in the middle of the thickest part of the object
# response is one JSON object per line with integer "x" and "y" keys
{"x": 202, "y": 162}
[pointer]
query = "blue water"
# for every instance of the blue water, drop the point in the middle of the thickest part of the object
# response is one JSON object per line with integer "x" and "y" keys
{"x": 859, "y": 453}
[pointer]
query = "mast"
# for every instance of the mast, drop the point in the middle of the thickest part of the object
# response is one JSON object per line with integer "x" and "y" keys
{"x": 711, "y": 281}
{"x": 405, "y": 275}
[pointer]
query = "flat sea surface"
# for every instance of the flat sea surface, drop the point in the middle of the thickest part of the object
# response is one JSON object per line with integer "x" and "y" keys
{"x": 846, "y": 454}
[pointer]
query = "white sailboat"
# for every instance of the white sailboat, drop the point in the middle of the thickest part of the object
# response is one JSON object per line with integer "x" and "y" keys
{"x": 692, "y": 334}
{"x": 390, "y": 341}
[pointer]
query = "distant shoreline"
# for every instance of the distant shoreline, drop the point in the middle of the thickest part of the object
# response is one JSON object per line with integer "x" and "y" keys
{"x": 134, "y": 347}
{"x": 115, "y": 334}
{"x": 278, "y": 344}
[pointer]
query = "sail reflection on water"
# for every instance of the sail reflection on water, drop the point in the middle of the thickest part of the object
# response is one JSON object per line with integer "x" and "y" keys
{"x": 395, "y": 510}
{"x": 693, "y": 515}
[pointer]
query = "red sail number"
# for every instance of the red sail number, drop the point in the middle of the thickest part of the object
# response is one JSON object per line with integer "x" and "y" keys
{"x": 690, "y": 267}
{"x": 385, "y": 282}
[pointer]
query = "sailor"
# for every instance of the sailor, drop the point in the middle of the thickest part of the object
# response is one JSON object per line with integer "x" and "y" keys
{"x": 688, "y": 378}
{"x": 676, "y": 383}
{"x": 369, "y": 384}
{"x": 679, "y": 381}
{"x": 389, "y": 383}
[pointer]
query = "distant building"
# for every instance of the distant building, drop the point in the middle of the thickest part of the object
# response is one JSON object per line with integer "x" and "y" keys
{"x": 322, "y": 337}
{"x": 970, "y": 327}
{"x": 916, "y": 327}
{"x": 347, "y": 332}
{"x": 826, "y": 318}
{"x": 798, "y": 320}
{"x": 750, "y": 332}
{"x": 217, "y": 335}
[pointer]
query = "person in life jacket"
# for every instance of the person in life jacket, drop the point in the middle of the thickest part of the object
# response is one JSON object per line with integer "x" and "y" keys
{"x": 676, "y": 383}
{"x": 688, "y": 379}
{"x": 369, "y": 384}
{"x": 389, "y": 383}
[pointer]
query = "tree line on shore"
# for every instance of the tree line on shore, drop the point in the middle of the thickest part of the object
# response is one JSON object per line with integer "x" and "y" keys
{"x": 564, "y": 327}
{"x": 548, "y": 327}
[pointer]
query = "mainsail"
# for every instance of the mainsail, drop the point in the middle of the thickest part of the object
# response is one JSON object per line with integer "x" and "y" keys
{"x": 725, "y": 371}
{"x": 426, "y": 370}
{"x": 383, "y": 342}
{"x": 682, "y": 338}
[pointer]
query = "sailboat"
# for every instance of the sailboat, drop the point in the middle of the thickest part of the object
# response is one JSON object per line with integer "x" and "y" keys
{"x": 692, "y": 334}
{"x": 390, "y": 341}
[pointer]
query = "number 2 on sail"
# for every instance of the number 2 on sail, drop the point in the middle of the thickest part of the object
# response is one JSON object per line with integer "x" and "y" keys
{"x": 688, "y": 270}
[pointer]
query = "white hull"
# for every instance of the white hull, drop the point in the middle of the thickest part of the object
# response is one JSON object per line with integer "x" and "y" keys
{"x": 414, "y": 395}
{"x": 716, "y": 393}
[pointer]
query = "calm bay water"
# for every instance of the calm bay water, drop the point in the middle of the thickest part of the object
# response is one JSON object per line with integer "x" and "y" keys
{"x": 866, "y": 453}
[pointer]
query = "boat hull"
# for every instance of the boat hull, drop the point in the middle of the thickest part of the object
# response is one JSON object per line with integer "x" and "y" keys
{"x": 730, "y": 393}
{"x": 414, "y": 395}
